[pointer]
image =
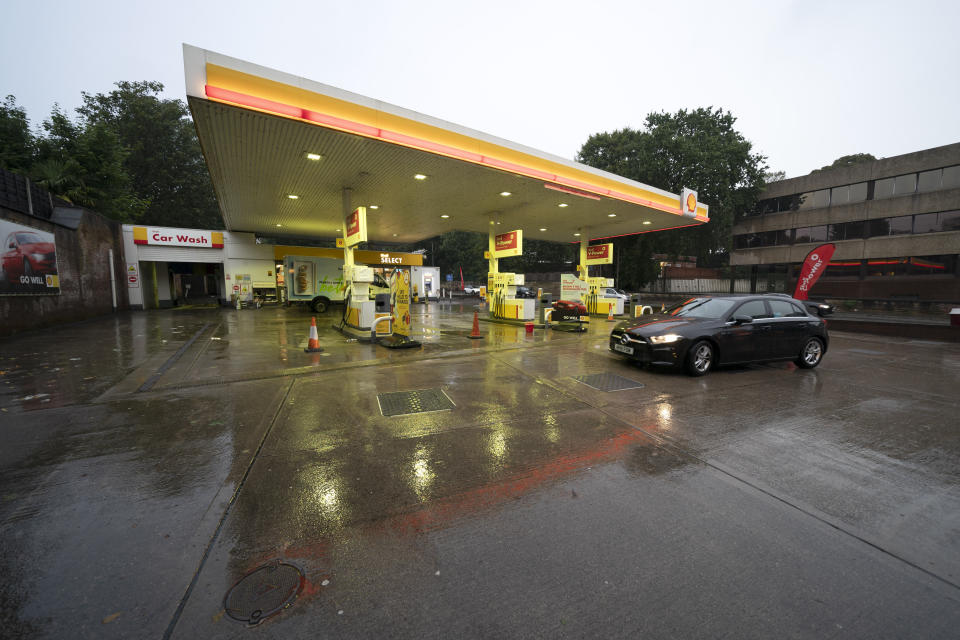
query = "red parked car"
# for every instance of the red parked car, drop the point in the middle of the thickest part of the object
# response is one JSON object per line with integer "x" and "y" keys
{"x": 25, "y": 253}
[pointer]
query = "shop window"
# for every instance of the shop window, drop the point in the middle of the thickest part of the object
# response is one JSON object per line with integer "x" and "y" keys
{"x": 883, "y": 189}
{"x": 843, "y": 269}
{"x": 929, "y": 180}
{"x": 951, "y": 177}
{"x": 901, "y": 225}
{"x": 858, "y": 192}
{"x": 926, "y": 223}
{"x": 929, "y": 265}
{"x": 905, "y": 185}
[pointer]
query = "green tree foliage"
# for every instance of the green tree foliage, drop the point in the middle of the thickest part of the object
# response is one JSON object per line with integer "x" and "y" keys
{"x": 166, "y": 168}
{"x": 84, "y": 164}
{"x": 847, "y": 161}
{"x": 129, "y": 155}
{"x": 17, "y": 144}
{"x": 457, "y": 250}
{"x": 699, "y": 149}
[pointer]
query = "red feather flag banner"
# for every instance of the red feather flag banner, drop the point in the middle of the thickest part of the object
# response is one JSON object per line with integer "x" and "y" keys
{"x": 813, "y": 267}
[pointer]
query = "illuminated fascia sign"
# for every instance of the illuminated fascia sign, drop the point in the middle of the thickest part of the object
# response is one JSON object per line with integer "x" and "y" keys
{"x": 508, "y": 244}
{"x": 688, "y": 203}
{"x": 178, "y": 237}
{"x": 600, "y": 254}
{"x": 388, "y": 258}
{"x": 355, "y": 230}
{"x": 587, "y": 189}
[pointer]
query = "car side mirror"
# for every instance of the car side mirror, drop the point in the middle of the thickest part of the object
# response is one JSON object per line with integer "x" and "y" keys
{"x": 738, "y": 320}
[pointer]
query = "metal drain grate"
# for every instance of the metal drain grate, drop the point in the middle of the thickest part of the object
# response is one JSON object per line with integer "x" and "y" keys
{"x": 401, "y": 403}
{"x": 263, "y": 592}
{"x": 608, "y": 382}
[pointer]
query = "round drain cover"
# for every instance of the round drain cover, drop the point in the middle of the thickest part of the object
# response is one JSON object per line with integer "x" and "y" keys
{"x": 263, "y": 592}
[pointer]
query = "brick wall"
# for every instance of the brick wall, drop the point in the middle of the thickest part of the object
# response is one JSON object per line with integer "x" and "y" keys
{"x": 83, "y": 266}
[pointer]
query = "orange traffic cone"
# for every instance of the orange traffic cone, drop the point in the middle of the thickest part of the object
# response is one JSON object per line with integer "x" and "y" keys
{"x": 475, "y": 334}
{"x": 313, "y": 346}
{"x": 610, "y": 317}
{"x": 663, "y": 308}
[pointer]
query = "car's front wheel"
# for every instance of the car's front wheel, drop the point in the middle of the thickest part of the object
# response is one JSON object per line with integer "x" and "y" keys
{"x": 700, "y": 358}
{"x": 811, "y": 354}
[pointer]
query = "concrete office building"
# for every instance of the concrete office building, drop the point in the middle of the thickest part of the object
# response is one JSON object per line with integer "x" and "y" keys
{"x": 895, "y": 223}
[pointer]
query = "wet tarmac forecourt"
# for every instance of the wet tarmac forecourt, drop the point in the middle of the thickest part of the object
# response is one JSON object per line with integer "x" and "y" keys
{"x": 195, "y": 474}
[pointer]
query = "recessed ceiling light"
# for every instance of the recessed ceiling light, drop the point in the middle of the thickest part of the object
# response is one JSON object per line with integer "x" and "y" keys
{"x": 279, "y": 225}
{"x": 543, "y": 228}
{"x": 611, "y": 215}
{"x": 394, "y": 235}
{"x": 563, "y": 204}
{"x": 419, "y": 176}
{"x": 292, "y": 196}
{"x": 374, "y": 206}
{"x": 646, "y": 222}
{"x": 444, "y": 216}
{"x": 577, "y": 234}
{"x": 338, "y": 230}
{"x": 314, "y": 156}
{"x": 505, "y": 193}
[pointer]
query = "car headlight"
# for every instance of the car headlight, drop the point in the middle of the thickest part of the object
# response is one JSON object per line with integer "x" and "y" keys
{"x": 38, "y": 256}
{"x": 665, "y": 339}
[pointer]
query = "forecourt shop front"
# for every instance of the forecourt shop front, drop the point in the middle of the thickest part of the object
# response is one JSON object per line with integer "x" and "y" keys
{"x": 292, "y": 156}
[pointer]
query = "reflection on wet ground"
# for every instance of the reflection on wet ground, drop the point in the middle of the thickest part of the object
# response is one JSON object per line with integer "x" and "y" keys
{"x": 758, "y": 501}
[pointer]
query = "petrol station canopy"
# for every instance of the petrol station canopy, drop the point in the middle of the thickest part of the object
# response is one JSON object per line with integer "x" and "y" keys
{"x": 282, "y": 149}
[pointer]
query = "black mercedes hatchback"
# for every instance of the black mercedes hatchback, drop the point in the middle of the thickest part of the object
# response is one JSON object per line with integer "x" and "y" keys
{"x": 704, "y": 332}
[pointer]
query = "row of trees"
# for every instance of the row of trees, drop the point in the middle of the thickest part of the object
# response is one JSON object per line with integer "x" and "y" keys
{"x": 127, "y": 154}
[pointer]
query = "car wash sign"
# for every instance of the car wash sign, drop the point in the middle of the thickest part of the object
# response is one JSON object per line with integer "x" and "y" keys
{"x": 600, "y": 254}
{"x": 163, "y": 236}
{"x": 508, "y": 244}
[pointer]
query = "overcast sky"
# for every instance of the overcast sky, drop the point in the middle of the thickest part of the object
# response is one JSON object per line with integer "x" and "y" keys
{"x": 807, "y": 81}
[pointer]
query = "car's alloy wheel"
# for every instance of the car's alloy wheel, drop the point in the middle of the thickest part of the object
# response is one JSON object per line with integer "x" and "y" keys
{"x": 700, "y": 358}
{"x": 811, "y": 354}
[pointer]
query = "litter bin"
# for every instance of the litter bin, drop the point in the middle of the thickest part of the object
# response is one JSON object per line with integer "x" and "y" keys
{"x": 635, "y": 303}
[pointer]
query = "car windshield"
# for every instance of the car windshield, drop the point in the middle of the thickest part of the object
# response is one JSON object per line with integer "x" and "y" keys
{"x": 702, "y": 308}
{"x": 28, "y": 238}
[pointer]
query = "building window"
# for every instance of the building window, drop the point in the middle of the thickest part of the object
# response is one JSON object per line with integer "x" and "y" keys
{"x": 843, "y": 269}
{"x": 858, "y": 192}
{"x": 878, "y": 227}
{"x": 929, "y": 180}
{"x": 926, "y": 223}
{"x": 839, "y": 195}
{"x": 905, "y": 185}
{"x": 949, "y": 220}
{"x": 951, "y": 177}
{"x": 812, "y": 234}
{"x": 901, "y": 225}
{"x": 883, "y": 189}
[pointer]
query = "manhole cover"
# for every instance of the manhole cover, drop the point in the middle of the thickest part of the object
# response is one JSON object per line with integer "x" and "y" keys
{"x": 401, "y": 403}
{"x": 608, "y": 382}
{"x": 263, "y": 592}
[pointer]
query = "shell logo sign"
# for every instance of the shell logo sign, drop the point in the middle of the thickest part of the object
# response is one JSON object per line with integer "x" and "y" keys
{"x": 688, "y": 200}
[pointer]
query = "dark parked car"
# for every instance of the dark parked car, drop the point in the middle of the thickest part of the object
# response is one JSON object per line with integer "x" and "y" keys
{"x": 704, "y": 332}
{"x": 814, "y": 307}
